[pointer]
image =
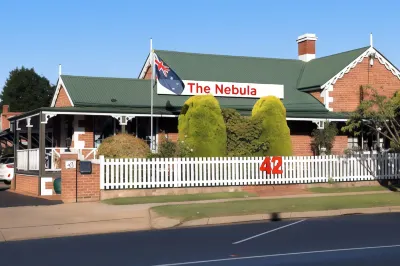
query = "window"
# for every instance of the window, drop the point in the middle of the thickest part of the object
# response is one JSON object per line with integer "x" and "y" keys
{"x": 352, "y": 142}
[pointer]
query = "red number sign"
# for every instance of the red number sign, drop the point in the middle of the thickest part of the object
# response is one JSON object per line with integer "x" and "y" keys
{"x": 276, "y": 167}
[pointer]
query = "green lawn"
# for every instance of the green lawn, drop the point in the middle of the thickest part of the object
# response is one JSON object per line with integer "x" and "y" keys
{"x": 204, "y": 210}
{"x": 351, "y": 189}
{"x": 178, "y": 198}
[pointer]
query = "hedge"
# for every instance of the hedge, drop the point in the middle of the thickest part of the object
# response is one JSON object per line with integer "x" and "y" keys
{"x": 271, "y": 113}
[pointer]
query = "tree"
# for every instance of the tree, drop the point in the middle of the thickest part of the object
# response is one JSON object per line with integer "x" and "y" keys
{"x": 275, "y": 130}
{"x": 377, "y": 114}
{"x": 243, "y": 134}
{"x": 202, "y": 126}
{"x": 26, "y": 90}
{"x": 324, "y": 138}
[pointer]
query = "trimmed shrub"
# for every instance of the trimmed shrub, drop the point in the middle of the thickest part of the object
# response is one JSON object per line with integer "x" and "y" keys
{"x": 123, "y": 146}
{"x": 243, "y": 134}
{"x": 201, "y": 126}
{"x": 272, "y": 114}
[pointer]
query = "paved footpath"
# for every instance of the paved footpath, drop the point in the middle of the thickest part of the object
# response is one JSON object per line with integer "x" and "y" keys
{"x": 30, "y": 222}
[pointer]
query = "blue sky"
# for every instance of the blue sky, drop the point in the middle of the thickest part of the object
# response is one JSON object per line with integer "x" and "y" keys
{"x": 111, "y": 38}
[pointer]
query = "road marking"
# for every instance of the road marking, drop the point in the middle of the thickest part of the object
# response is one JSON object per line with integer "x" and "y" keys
{"x": 268, "y": 232}
{"x": 278, "y": 255}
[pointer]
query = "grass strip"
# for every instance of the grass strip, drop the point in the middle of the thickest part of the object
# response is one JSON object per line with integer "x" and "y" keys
{"x": 346, "y": 189}
{"x": 206, "y": 210}
{"x": 178, "y": 198}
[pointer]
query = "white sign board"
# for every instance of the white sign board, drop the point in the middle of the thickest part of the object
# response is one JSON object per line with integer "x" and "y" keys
{"x": 70, "y": 164}
{"x": 226, "y": 89}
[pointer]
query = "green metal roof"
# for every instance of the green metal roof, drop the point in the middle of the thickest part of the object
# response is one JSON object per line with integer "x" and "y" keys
{"x": 318, "y": 71}
{"x": 134, "y": 94}
{"x": 107, "y": 92}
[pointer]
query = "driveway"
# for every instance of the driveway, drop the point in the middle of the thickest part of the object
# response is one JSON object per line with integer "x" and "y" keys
{"x": 12, "y": 199}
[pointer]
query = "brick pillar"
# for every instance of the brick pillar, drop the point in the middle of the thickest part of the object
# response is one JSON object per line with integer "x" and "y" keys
{"x": 68, "y": 178}
{"x": 88, "y": 184}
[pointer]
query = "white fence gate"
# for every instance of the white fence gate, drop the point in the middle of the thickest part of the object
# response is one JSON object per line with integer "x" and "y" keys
{"x": 233, "y": 171}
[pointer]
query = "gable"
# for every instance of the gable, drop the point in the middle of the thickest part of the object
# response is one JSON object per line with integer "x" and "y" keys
{"x": 318, "y": 71}
{"x": 61, "y": 97}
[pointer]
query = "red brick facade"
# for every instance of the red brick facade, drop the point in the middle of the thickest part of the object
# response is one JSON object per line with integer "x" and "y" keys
{"x": 62, "y": 99}
{"x": 339, "y": 145}
{"x": 317, "y": 95}
{"x": 27, "y": 184}
{"x": 301, "y": 145}
{"x": 88, "y": 136}
{"x": 346, "y": 91}
{"x": 88, "y": 185}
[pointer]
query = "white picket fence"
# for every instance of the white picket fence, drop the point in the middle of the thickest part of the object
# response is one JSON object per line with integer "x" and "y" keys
{"x": 236, "y": 171}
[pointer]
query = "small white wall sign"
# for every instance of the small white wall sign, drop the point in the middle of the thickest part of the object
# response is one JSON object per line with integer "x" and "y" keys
{"x": 70, "y": 164}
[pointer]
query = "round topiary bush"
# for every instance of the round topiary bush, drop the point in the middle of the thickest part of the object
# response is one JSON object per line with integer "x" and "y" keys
{"x": 123, "y": 146}
{"x": 272, "y": 114}
{"x": 201, "y": 126}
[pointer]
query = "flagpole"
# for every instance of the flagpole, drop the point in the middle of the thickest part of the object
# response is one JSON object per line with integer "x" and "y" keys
{"x": 152, "y": 85}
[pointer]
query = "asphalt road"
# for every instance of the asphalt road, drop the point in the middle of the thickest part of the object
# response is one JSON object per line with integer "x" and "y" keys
{"x": 346, "y": 240}
{"x": 10, "y": 199}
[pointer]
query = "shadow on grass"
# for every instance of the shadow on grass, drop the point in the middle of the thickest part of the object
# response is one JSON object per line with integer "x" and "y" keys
{"x": 392, "y": 185}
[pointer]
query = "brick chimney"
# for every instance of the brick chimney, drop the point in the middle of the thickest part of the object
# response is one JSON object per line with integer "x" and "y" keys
{"x": 306, "y": 45}
{"x": 5, "y": 108}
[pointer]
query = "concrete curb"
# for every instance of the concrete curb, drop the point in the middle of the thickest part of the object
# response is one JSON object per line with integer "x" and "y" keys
{"x": 287, "y": 215}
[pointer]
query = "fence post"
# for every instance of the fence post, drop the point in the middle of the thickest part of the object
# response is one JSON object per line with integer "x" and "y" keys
{"x": 101, "y": 171}
{"x": 175, "y": 171}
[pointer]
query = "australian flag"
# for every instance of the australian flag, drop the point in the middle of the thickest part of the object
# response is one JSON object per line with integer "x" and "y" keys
{"x": 167, "y": 77}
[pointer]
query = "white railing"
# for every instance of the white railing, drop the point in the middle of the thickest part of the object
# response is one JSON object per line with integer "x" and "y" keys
{"x": 233, "y": 171}
{"x": 28, "y": 159}
{"x": 52, "y": 157}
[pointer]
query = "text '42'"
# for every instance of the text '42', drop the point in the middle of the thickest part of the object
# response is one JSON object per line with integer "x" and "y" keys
{"x": 272, "y": 165}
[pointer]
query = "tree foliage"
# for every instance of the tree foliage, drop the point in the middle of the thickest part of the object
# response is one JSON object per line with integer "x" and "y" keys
{"x": 170, "y": 149}
{"x": 324, "y": 138}
{"x": 202, "y": 126}
{"x": 123, "y": 146}
{"x": 275, "y": 130}
{"x": 243, "y": 134}
{"x": 377, "y": 114}
{"x": 25, "y": 90}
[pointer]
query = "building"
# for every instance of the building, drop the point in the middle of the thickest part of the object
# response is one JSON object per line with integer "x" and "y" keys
{"x": 86, "y": 110}
{"x": 6, "y": 137}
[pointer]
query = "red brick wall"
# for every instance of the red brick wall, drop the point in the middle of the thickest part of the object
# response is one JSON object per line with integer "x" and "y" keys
{"x": 301, "y": 145}
{"x": 148, "y": 73}
{"x": 62, "y": 99}
{"x": 339, "y": 145}
{"x": 317, "y": 95}
{"x": 88, "y": 136}
{"x": 88, "y": 185}
{"x": 346, "y": 91}
{"x": 5, "y": 114}
{"x": 27, "y": 184}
